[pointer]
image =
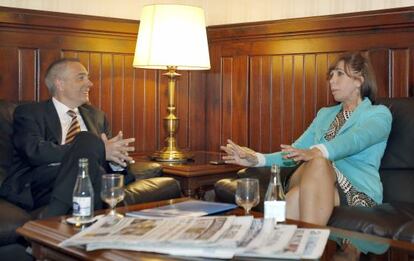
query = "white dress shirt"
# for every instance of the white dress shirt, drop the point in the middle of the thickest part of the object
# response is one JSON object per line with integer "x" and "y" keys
{"x": 65, "y": 119}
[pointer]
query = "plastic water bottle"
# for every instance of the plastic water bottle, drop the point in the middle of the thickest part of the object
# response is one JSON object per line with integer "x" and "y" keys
{"x": 274, "y": 201}
{"x": 83, "y": 194}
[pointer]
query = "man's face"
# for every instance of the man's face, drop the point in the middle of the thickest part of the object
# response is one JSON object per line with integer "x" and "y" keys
{"x": 73, "y": 85}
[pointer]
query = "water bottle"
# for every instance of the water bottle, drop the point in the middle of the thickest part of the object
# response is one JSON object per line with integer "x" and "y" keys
{"x": 83, "y": 194}
{"x": 274, "y": 201}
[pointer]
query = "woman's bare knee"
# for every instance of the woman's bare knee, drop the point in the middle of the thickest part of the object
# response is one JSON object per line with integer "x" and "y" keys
{"x": 317, "y": 169}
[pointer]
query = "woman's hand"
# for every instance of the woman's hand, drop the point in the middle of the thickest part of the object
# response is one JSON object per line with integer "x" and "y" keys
{"x": 239, "y": 155}
{"x": 117, "y": 149}
{"x": 298, "y": 154}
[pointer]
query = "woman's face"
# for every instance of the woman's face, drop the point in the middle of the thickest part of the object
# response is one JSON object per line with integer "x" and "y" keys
{"x": 343, "y": 87}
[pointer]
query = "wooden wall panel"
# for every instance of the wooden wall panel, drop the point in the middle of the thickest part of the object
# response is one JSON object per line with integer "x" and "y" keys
{"x": 400, "y": 72}
{"x": 197, "y": 105}
{"x": 288, "y": 61}
{"x": 214, "y": 105}
{"x": 134, "y": 100}
{"x": 9, "y": 77}
{"x": 28, "y": 85}
{"x": 266, "y": 83}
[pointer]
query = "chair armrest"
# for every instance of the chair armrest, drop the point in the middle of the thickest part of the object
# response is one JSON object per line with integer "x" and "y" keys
{"x": 263, "y": 175}
{"x": 145, "y": 170}
{"x": 153, "y": 189}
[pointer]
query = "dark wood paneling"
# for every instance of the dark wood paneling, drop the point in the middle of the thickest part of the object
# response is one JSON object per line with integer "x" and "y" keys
{"x": 9, "y": 73}
{"x": 133, "y": 99}
{"x": 214, "y": 105}
{"x": 267, "y": 79}
{"x": 288, "y": 61}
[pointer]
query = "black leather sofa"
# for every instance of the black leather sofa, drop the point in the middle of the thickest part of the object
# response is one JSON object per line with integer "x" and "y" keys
{"x": 147, "y": 187}
{"x": 392, "y": 219}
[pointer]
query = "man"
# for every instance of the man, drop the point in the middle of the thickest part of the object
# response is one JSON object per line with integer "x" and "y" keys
{"x": 49, "y": 138}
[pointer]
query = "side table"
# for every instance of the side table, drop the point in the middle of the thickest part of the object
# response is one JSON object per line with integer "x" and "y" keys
{"x": 196, "y": 175}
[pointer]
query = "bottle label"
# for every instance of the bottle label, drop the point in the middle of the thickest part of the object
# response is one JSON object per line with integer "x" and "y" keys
{"x": 81, "y": 206}
{"x": 275, "y": 209}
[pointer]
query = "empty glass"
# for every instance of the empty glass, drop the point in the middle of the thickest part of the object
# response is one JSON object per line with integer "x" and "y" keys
{"x": 112, "y": 191}
{"x": 247, "y": 193}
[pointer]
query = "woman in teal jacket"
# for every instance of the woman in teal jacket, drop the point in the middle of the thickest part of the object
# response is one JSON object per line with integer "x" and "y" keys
{"x": 340, "y": 152}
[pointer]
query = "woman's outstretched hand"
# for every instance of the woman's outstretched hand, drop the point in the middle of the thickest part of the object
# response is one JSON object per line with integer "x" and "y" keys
{"x": 239, "y": 155}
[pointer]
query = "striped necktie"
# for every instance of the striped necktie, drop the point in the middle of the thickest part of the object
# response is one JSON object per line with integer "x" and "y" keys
{"x": 74, "y": 127}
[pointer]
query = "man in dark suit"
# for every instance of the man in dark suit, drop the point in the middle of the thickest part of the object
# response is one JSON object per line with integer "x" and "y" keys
{"x": 49, "y": 141}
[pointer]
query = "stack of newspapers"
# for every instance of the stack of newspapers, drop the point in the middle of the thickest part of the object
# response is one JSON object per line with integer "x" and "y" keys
{"x": 210, "y": 236}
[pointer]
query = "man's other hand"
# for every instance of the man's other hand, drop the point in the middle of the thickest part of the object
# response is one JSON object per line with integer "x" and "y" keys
{"x": 117, "y": 149}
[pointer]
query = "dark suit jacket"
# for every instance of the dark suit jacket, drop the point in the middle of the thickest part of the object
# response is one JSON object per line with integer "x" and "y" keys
{"x": 36, "y": 137}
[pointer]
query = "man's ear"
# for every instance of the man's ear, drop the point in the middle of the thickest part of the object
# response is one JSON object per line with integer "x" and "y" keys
{"x": 59, "y": 84}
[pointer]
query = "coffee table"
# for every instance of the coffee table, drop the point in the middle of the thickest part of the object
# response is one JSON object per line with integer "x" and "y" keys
{"x": 45, "y": 235}
{"x": 196, "y": 175}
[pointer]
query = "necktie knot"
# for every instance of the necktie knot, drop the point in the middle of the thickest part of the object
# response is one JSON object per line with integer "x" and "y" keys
{"x": 71, "y": 113}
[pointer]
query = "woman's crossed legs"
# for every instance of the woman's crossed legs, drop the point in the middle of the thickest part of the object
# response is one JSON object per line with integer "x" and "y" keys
{"x": 312, "y": 192}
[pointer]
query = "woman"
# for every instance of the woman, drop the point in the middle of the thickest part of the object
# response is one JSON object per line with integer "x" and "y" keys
{"x": 340, "y": 151}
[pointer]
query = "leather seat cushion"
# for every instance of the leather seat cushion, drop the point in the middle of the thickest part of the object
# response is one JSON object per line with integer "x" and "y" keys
{"x": 11, "y": 218}
{"x": 383, "y": 220}
{"x": 406, "y": 232}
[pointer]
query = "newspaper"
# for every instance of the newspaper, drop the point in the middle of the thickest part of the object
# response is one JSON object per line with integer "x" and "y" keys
{"x": 286, "y": 241}
{"x": 211, "y": 237}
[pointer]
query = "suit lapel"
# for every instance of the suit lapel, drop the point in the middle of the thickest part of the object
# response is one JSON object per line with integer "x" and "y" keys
{"x": 52, "y": 121}
{"x": 88, "y": 119}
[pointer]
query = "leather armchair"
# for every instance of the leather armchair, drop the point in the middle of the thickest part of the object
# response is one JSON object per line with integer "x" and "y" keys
{"x": 149, "y": 186}
{"x": 395, "y": 217}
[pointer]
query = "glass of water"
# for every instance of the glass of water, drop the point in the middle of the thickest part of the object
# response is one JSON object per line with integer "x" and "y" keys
{"x": 247, "y": 193}
{"x": 112, "y": 191}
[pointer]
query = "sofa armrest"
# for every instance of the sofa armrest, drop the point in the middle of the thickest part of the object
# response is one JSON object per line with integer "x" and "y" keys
{"x": 263, "y": 175}
{"x": 153, "y": 189}
{"x": 145, "y": 170}
{"x": 11, "y": 217}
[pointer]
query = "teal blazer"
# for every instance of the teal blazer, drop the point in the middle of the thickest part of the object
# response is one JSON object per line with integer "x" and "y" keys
{"x": 356, "y": 150}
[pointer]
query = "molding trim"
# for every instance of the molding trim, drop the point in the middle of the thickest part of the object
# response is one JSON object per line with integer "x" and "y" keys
{"x": 16, "y": 18}
{"x": 398, "y": 18}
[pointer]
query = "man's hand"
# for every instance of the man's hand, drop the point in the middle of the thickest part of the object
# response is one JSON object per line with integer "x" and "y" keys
{"x": 298, "y": 154}
{"x": 239, "y": 155}
{"x": 117, "y": 149}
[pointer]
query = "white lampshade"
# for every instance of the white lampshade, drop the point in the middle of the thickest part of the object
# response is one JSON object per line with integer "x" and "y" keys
{"x": 172, "y": 35}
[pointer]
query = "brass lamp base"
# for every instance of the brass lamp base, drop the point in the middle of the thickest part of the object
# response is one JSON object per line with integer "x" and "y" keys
{"x": 167, "y": 155}
{"x": 170, "y": 153}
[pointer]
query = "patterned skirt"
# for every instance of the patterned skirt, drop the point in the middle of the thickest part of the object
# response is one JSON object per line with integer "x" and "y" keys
{"x": 349, "y": 195}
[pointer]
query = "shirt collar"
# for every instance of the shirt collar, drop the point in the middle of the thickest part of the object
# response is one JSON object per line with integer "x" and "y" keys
{"x": 62, "y": 109}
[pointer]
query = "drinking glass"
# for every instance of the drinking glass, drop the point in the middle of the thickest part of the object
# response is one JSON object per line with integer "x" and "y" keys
{"x": 247, "y": 193}
{"x": 112, "y": 191}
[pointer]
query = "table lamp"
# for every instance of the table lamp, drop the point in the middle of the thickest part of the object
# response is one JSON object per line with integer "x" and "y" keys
{"x": 172, "y": 37}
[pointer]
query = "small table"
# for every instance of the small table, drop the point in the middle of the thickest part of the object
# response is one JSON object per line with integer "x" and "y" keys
{"x": 198, "y": 174}
{"x": 45, "y": 236}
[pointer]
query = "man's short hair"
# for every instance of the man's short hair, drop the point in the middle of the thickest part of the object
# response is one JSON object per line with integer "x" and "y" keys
{"x": 54, "y": 70}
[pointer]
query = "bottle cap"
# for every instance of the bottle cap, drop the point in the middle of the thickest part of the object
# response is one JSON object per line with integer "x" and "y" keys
{"x": 83, "y": 161}
{"x": 275, "y": 168}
